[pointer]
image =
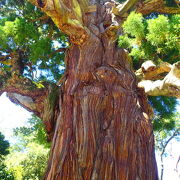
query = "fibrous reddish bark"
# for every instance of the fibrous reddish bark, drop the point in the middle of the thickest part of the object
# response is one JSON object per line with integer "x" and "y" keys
{"x": 103, "y": 130}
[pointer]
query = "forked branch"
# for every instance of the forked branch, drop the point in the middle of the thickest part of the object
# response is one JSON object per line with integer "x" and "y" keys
{"x": 24, "y": 92}
{"x": 67, "y": 15}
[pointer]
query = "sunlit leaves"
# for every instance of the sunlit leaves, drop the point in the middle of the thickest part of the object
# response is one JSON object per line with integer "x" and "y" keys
{"x": 4, "y": 145}
{"x": 17, "y": 33}
{"x": 134, "y": 25}
{"x": 154, "y": 38}
{"x": 28, "y": 157}
{"x": 173, "y": 38}
{"x": 4, "y": 172}
{"x": 29, "y": 164}
{"x": 166, "y": 133}
{"x": 35, "y": 36}
{"x": 124, "y": 42}
{"x": 137, "y": 53}
{"x": 151, "y": 39}
{"x": 34, "y": 132}
{"x": 4, "y": 150}
{"x": 158, "y": 30}
{"x": 3, "y": 39}
{"x": 9, "y": 28}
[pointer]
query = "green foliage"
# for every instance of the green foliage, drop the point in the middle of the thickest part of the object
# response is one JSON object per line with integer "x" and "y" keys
{"x": 151, "y": 38}
{"x": 158, "y": 30}
{"x": 28, "y": 157}
{"x": 163, "y": 135}
{"x": 4, "y": 173}
{"x": 134, "y": 25}
{"x": 4, "y": 145}
{"x": 35, "y": 162}
{"x": 124, "y": 42}
{"x": 33, "y": 132}
{"x": 4, "y": 151}
{"x": 40, "y": 49}
{"x": 164, "y": 108}
{"x": 28, "y": 164}
{"x": 21, "y": 28}
{"x": 160, "y": 123}
{"x": 154, "y": 38}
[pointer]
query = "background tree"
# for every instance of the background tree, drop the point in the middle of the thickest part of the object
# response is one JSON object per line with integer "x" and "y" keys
{"x": 4, "y": 145}
{"x": 4, "y": 150}
{"x": 163, "y": 137}
{"x": 28, "y": 157}
{"x": 96, "y": 115}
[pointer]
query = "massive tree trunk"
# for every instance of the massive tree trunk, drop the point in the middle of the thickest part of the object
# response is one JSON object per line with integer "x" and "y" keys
{"x": 103, "y": 130}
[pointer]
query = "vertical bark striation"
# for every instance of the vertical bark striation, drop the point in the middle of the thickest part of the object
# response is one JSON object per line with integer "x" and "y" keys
{"x": 103, "y": 131}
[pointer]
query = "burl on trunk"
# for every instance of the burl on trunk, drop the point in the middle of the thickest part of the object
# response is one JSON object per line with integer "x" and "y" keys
{"x": 103, "y": 131}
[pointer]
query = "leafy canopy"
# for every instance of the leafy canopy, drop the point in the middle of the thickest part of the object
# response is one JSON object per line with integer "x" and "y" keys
{"x": 4, "y": 145}
{"x": 156, "y": 38}
{"x": 25, "y": 28}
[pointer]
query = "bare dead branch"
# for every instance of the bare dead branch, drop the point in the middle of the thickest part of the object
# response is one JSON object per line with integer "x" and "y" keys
{"x": 150, "y": 71}
{"x": 169, "y": 86}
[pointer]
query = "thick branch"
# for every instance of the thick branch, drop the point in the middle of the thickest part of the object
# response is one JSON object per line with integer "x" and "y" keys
{"x": 156, "y": 6}
{"x": 24, "y": 92}
{"x": 122, "y": 9}
{"x": 41, "y": 99}
{"x": 42, "y": 18}
{"x": 67, "y": 15}
{"x": 149, "y": 71}
{"x": 24, "y": 101}
{"x": 144, "y": 8}
{"x": 169, "y": 86}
